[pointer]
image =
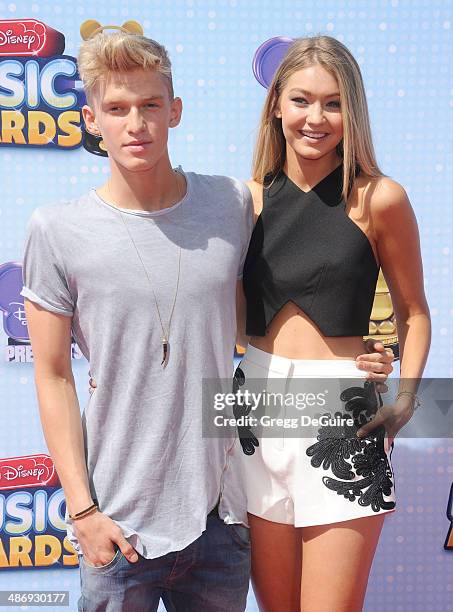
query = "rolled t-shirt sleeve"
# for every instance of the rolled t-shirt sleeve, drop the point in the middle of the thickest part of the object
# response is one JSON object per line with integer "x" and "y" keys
{"x": 248, "y": 217}
{"x": 44, "y": 279}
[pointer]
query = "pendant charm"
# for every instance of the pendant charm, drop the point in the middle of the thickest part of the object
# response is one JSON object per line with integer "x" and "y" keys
{"x": 165, "y": 351}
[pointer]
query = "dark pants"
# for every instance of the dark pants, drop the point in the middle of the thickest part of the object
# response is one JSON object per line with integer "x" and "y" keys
{"x": 210, "y": 575}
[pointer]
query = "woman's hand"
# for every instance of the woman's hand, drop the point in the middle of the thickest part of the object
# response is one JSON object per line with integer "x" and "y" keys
{"x": 392, "y": 417}
{"x": 93, "y": 384}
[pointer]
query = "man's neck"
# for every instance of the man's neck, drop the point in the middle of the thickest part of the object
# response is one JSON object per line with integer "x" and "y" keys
{"x": 150, "y": 190}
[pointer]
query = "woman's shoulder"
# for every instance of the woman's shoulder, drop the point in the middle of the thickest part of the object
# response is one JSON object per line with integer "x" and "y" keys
{"x": 382, "y": 189}
{"x": 256, "y": 189}
{"x": 382, "y": 192}
{"x": 387, "y": 202}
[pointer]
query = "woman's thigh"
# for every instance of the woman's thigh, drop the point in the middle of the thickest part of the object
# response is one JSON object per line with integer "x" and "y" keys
{"x": 276, "y": 564}
{"x": 337, "y": 560}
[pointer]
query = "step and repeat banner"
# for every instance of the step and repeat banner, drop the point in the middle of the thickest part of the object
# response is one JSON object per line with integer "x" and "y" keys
{"x": 404, "y": 49}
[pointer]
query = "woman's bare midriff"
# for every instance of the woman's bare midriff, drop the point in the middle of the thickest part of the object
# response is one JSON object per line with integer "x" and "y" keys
{"x": 293, "y": 335}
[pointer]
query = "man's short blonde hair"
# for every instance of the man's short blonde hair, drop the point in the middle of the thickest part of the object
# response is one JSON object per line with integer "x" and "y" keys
{"x": 104, "y": 54}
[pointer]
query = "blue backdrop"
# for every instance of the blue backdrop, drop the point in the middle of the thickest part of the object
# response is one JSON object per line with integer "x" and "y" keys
{"x": 404, "y": 48}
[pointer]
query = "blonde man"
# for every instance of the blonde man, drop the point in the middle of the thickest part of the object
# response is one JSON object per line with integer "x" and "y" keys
{"x": 154, "y": 253}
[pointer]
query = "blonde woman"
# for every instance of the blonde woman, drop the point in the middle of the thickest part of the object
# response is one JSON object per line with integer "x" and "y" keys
{"x": 326, "y": 220}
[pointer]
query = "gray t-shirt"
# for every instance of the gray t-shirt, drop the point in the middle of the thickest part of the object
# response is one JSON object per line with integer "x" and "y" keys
{"x": 149, "y": 466}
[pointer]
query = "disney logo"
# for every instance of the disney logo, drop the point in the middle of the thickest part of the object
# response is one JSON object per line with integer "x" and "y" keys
{"x": 19, "y": 312}
{"x": 9, "y": 472}
{"x": 9, "y": 38}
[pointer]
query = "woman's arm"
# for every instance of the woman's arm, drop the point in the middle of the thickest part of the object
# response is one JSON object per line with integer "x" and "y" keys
{"x": 241, "y": 337}
{"x": 397, "y": 239}
{"x": 398, "y": 244}
{"x": 256, "y": 189}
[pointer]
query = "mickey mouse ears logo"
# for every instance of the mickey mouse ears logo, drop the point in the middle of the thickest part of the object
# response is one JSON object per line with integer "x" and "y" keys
{"x": 91, "y": 27}
{"x": 268, "y": 58}
{"x": 11, "y": 301}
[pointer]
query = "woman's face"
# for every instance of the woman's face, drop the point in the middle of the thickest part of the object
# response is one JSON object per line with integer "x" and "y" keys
{"x": 309, "y": 107}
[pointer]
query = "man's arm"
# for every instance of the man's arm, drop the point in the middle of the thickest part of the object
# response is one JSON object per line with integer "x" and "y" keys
{"x": 50, "y": 336}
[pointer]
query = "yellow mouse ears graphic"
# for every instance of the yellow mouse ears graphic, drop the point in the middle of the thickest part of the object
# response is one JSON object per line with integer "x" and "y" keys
{"x": 91, "y": 27}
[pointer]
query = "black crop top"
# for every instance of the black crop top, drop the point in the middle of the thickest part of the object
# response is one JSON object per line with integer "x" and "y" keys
{"x": 305, "y": 249}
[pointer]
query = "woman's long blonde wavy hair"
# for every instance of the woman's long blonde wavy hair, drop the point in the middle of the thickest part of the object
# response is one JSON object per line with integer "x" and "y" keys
{"x": 356, "y": 147}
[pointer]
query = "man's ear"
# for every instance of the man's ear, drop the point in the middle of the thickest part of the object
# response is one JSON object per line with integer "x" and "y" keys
{"x": 175, "y": 112}
{"x": 90, "y": 120}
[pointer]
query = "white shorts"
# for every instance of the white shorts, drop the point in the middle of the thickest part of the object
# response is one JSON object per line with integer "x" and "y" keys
{"x": 305, "y": 481}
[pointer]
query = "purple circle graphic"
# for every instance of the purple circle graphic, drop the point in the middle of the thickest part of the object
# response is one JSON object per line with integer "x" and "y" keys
{"x": 268, "y": 57}
{"x": 11, "y": 302}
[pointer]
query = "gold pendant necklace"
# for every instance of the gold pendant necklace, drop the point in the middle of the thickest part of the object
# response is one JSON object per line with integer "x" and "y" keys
{"x": 165, "y": 330}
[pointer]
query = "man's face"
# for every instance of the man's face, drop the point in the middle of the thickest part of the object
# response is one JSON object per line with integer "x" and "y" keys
{"x": 133, "y": 112}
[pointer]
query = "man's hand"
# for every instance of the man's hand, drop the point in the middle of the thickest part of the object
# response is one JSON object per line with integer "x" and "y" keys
{"x": 377, "y": 362}
{"x": 97, "y": 534}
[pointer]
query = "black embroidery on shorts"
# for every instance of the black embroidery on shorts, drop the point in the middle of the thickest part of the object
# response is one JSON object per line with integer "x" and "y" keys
{"x": 339, "y": 449}
{"x": 247, "y": 438}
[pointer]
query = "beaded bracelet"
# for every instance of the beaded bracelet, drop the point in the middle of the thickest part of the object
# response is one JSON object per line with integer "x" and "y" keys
{"x": 414, "y": 396}
{"x": 83, "y": 513}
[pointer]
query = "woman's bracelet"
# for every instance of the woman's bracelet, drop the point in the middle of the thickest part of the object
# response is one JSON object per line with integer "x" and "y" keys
{"x": 414, "y": 396}
{"x": 86, "y": 512}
